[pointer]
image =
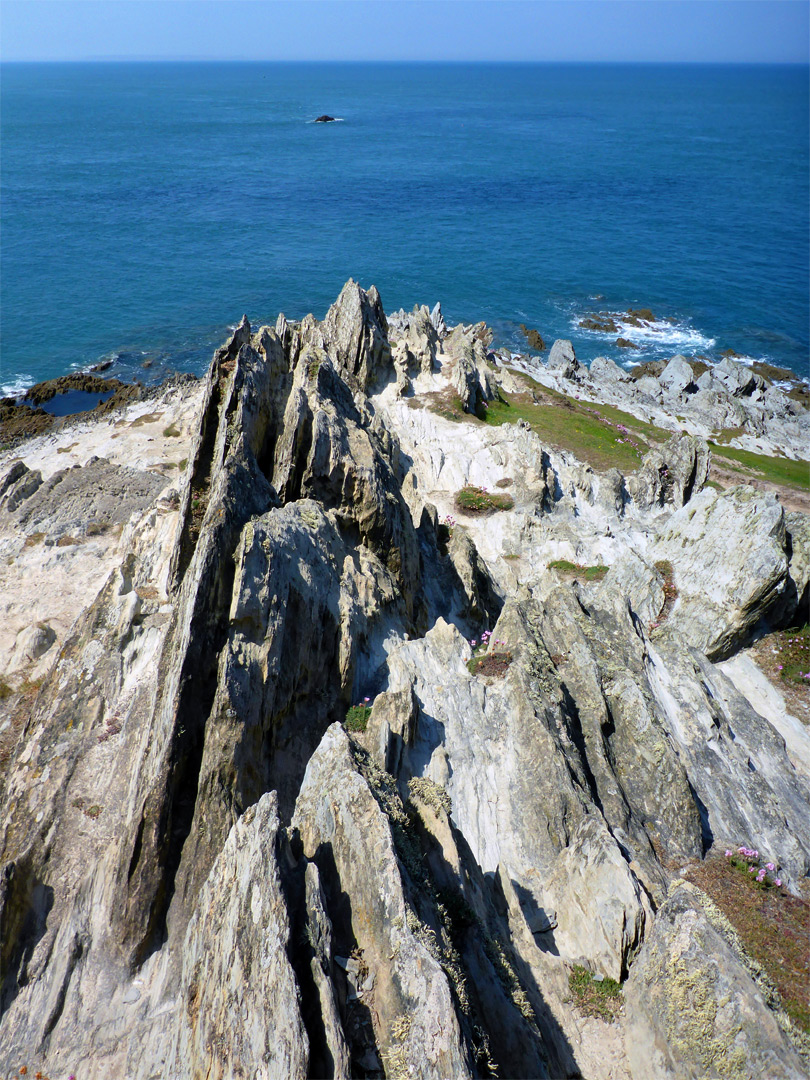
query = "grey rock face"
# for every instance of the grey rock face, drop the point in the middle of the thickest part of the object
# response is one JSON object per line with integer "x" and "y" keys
{"x": 409, "y": 984}
{"x": 206, "y": 873}
{"x": 672, "y": 473}
{"x": 696, "y": 1010}
{"x": 562, "y": 359}
{"x": 97, "y": 496}
{"x": 732, "y": 575}
{"x": 242, "y": 908}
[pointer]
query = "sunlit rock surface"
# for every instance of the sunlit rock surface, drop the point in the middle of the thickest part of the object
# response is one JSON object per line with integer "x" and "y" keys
{"x": 207, "y": 873}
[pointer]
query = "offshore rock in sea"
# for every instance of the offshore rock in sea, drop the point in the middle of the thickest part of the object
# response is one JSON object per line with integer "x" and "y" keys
{"x": 269, "y": 805}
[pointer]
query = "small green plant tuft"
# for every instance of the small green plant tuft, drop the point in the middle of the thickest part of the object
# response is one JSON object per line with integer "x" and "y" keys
{"x": 792, "y": 651}
{"x": 575, "y": 570}
{"x": 171, "y": 432}
{"x": 357, "y": 717}
{"x": 595, "y": 997}
{"x": 476, "y": 500}
{"x": 5, "y": 690}
{"x": 493, "y": 664}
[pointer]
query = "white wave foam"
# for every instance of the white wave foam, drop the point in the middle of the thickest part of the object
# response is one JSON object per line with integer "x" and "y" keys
{"x": 16, "y": 388}
{"x": 660, "y": 332}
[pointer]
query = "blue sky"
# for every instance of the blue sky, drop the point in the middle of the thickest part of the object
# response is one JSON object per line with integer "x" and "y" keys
{"x": 742, "y": 31}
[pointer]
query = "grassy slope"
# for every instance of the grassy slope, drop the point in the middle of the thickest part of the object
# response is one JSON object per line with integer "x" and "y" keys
{"x": 589, "y": 432}
{"x": 777, "y": 470}
{"x": 567, "y": 425}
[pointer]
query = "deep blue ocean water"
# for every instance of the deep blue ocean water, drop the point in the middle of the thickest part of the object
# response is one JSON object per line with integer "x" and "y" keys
{"x": 145, "y": 207}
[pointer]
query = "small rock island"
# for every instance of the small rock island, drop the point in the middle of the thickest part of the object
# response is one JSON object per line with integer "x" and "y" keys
{"x": 324, "y": 119}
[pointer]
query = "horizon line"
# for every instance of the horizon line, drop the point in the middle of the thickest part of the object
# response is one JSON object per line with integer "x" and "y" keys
{"x": 117, "y": 59}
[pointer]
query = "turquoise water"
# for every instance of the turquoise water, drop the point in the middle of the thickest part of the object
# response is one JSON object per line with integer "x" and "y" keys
{"x": 145, "y": 207}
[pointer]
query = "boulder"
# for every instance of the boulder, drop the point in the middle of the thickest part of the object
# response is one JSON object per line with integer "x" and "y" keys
{"x": 533, "y": 338}
{"x": 738, "y": 379}
{"x": 672, "y": 474}
{"x": 472, "y": 378}
{"x": 730, "y": 550}
{"x": 31, "y": 644}
{"x": 604, "y": 370}
{"x": 677, "y": 377}
{"x": 602, "y": 324}
{"x": 601, "y": 908}
{"x": 562, "y": 360}
{"x": 694, "y": 1009}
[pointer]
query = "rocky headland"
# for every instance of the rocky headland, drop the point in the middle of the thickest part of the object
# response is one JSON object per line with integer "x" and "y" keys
{"x": 383, "y": 705}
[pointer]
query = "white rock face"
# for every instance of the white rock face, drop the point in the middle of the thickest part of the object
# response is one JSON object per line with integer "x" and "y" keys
{"x": 307, "y": 772}
{"x": 602, "y": 909}
{"x": 732, "y": 566}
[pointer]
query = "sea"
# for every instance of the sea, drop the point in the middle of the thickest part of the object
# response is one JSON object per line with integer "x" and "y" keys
{"x": 145, "y": 207}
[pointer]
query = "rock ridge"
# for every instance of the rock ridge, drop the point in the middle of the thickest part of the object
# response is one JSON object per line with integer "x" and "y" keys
{"x": 263, "y": 811}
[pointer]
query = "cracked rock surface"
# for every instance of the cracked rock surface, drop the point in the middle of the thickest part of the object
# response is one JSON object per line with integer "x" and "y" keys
{"x": 209, "y": 869}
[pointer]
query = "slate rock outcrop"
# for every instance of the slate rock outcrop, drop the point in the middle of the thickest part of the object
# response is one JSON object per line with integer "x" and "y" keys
{"x": 264, "y": 814}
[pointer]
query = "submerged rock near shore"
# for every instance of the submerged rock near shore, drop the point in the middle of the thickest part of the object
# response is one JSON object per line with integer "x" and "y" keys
{"x": 348, "y": 731}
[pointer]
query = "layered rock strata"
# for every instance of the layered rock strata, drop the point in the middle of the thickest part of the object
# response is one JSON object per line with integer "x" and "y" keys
{"x": 206, "y": 872}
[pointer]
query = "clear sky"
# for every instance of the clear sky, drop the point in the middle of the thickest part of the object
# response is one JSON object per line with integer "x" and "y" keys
{"x": 743, "y": 31}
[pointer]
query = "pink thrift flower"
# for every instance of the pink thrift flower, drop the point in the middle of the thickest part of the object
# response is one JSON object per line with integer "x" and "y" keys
{"x": 728, "y": 854}
{"x": 752, "y": 869}
{"x": 769, "y": 866}
{"x": 778, "y": 881}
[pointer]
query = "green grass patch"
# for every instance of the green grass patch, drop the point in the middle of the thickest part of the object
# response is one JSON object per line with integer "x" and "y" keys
{"x": 792, "y": 654}
{"x": 586, "y": 430}
{"x": 574, "y": 570}
{"x": 602, "y": 998}
{"x": 357, "y": 717}
{"x": 171, "y": 432}
{"x": 727, "y": 434}
{"x": 5, "y": 690}
{"x": 777, "y": 470}
{"x": 476, "y": 500}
